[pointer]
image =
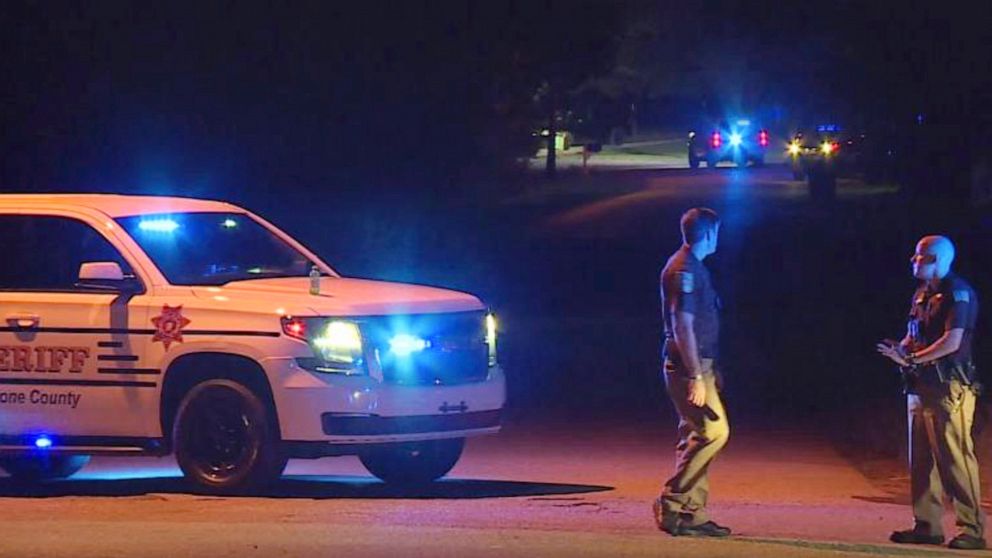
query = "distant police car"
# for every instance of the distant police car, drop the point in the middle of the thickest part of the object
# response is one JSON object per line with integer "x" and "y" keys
{"x": 808, "y": 148}
{"x": 739, "y": 141}
{"x": 826, "y": 148}
{"x": 150, "y": 325}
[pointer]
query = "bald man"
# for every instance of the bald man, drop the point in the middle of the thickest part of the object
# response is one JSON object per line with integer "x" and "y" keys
{"x": 941, "y": 387}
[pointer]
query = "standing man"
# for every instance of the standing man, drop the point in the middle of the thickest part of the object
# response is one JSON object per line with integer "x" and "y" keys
{"x": 935, "y": 356}
{"x": 689, "y": 307}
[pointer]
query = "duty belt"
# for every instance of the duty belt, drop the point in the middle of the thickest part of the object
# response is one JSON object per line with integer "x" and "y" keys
{"x": 945, "y": 371}
{"x": 963, "y": 372}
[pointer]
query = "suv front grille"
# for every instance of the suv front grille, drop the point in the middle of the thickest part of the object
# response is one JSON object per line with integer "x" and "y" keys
{"x": 456, "y": 353}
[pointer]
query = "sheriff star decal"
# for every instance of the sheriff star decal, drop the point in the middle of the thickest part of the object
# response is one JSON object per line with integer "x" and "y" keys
{"x": 169, "y": 325}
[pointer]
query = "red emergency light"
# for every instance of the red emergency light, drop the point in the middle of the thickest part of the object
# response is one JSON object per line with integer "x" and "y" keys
{"x": 716, "y": 140}
{"x": 294, "y": 327}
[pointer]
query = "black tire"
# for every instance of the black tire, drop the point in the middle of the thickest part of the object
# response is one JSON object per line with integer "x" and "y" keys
{"x": 225, "y": 438}
{"x": 42, "y": 467}
{"x": 712, "y": 163}
{"x": 758, "y": 161}
{"x": 413, "y": 463}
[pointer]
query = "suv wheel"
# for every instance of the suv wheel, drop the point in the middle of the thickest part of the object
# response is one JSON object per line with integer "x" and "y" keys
{"x": 413, "y": 462}
{"x": 226, "y": 439}
{"x": 34, "y": 468}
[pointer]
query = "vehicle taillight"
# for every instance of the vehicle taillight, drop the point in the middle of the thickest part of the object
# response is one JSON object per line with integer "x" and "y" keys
{"x": 295, "y": 327}
{"x": 763, "y": 138}
{"x": 716, "y": 140}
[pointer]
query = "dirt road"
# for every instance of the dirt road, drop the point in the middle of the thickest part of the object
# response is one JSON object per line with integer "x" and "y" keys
{"x": 537, "y": 490}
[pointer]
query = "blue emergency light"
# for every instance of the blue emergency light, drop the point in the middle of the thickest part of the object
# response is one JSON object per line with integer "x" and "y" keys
{"x": 404, "y": 344}
{"x": 158, "y": 225}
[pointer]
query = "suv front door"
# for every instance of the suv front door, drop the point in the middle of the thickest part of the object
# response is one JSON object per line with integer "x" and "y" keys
{"x": 70, "y": 354}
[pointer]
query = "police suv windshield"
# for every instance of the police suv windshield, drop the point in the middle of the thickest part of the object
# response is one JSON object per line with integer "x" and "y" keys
{"x": 213, "y": 248}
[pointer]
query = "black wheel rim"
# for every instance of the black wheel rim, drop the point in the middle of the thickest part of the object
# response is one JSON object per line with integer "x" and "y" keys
{"x": 221, "y": 435}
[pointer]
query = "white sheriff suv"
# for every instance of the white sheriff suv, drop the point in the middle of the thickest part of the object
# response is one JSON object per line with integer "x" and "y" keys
{"x": 138, "y": 325}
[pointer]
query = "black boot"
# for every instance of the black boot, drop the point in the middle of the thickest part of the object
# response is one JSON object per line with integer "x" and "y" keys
{"x": 708, "y": 529}
{"x": 967, "y": 542}
{"x": 916, "y": 535}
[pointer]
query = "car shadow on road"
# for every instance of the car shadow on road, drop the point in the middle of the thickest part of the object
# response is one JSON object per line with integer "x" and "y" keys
{"x": 302, "y": 487}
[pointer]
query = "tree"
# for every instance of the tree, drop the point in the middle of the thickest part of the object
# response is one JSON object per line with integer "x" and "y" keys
{"x": 553, "y": 47}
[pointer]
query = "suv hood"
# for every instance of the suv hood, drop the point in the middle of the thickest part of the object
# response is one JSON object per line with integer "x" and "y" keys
{"x": 341, "y": 296}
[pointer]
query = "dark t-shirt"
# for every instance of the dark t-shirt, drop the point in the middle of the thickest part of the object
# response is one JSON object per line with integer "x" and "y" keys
{"x": 953, "y": 304}
{"x": 686, "y": 286}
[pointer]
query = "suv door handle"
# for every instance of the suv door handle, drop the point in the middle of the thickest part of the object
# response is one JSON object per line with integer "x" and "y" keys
{"x": 24, "y": 321}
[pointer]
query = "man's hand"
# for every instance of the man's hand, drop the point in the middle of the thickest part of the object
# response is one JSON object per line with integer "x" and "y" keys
{"x": 697, "y": 392}
{"x": 893, "y": 350}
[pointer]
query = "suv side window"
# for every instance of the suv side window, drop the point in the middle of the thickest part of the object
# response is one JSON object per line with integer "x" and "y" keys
{"x": 45, "y": 252}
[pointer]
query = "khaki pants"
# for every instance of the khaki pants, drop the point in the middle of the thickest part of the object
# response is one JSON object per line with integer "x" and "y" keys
{"x": 703, "y": 431}
{"x": 942, "y": 457}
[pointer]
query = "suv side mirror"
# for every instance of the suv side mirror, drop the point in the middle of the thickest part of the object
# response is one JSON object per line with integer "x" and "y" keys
{"x": 106, "y": 276}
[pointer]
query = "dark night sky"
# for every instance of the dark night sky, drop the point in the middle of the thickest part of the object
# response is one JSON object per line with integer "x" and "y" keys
{"x": 216, "y": 95}
{"x": 231, "y": 91}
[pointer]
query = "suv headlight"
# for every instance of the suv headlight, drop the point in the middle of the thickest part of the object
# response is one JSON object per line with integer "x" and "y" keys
{"x": 337, "y": 344}
{"x": 491, "y": 337}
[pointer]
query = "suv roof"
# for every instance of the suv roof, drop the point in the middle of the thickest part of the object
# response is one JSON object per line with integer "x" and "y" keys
{"x": 118, "y": 205}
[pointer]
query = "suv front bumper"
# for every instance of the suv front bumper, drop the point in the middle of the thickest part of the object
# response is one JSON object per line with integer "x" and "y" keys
{"x": 335, "y": 409}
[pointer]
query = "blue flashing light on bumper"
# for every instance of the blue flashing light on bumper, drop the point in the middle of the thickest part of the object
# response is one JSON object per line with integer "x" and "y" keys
{"x": 43, "y": 442}
{"x": 404, "y": 344}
